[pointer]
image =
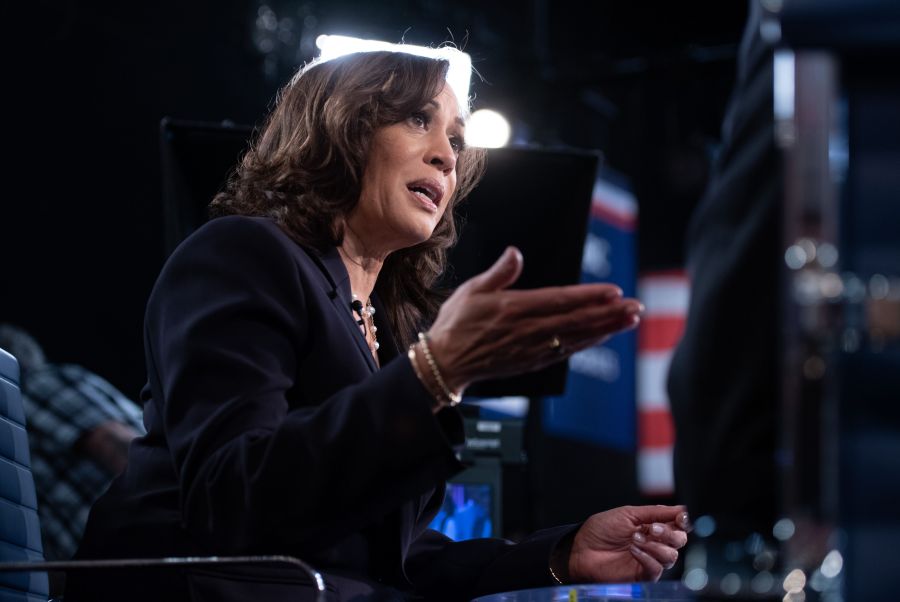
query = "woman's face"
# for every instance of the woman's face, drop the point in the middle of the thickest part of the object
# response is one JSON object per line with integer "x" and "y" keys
{"x": 410, "y": 176}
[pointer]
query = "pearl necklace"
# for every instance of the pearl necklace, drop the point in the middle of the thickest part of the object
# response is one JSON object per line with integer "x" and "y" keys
{"x": 366, "y": 320}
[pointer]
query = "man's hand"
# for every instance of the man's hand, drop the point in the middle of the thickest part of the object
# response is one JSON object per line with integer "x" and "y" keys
{"x": 107, "y": 444}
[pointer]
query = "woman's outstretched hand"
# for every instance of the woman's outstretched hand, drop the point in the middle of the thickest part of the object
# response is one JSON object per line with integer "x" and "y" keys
{"x": 486, "y": 331}
{"x": 628, "y": 544}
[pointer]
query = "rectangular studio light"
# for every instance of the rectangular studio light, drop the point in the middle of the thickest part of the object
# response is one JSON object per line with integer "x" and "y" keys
{"x": 458, "y": 75}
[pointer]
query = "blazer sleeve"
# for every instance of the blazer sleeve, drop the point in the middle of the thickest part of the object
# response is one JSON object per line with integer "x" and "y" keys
{"x": 226, "y": 329}
{"x": 442, "y": 569}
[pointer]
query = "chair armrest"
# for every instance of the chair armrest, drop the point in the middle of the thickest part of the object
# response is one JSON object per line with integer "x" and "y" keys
{"x": 180, "y": 561}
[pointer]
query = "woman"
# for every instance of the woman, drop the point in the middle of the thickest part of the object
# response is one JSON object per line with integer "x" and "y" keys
{"x": 285, "y": 416}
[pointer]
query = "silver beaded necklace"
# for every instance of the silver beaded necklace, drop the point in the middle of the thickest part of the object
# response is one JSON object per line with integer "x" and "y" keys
{"x": 366, "y": 320}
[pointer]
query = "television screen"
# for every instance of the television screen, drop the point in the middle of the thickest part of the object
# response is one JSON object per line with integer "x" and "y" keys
{"x": 466, "y": 512}
{"x": 472, "y": 505}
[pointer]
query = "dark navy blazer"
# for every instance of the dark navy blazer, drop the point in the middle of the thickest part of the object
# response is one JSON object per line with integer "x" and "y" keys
{"x": 271, "y": 431}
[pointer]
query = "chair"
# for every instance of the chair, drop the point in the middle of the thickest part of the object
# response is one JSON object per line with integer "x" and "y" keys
{"x": 23, "y": 571}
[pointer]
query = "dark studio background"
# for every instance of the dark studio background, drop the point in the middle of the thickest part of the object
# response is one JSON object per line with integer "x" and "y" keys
{"x": 82, "y": 227}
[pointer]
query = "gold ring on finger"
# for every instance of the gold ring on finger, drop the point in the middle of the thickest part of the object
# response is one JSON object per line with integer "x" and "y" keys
{"x": 556, "y": 344}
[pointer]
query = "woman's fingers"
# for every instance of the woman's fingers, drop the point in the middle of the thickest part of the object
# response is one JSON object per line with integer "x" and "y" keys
{"x": 661, "y": 540}
{"x": 557, "y": 299}
{"x": 586, "y": 325}
{"x": 665, "y": 555}
{"x": 592, "y": 321}
{"x": 525, "y": 345}
{"x": 503, "y": 273}
{"x": 484, "y": 331}
{"x": 572, "y": 328}
{"x": 665, "y": 533}
{"x": 652, "y": 568}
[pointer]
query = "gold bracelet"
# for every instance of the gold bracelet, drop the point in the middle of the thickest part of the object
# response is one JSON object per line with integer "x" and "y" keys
{"x": 454, "y": 398}
{"x": 425, "y": 382}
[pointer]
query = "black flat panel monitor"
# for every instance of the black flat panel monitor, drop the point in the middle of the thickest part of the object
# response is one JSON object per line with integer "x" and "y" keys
{"x": 539, "y": 201}
{"x": 536, "y": 199}
{"x": 196, "y": 160}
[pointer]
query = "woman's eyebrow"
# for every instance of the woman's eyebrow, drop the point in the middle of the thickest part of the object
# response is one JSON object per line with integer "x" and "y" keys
{"x": 437, "y": 106}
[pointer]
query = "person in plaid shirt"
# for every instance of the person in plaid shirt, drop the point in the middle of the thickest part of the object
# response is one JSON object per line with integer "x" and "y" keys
{"x": 79, "y": 428}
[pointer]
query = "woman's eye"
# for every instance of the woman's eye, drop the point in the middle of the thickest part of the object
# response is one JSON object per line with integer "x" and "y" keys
{"x": 419, "y": 119}
{"x": 458, "y": 144}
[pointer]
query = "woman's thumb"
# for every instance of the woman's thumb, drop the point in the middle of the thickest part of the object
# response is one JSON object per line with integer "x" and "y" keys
{"x": 503, "y": 273}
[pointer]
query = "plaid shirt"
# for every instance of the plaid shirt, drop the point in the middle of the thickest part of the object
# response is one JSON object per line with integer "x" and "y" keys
{"x": 63, "y": 403}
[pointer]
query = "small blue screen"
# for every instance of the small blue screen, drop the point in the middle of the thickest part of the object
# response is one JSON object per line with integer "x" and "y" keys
{"x": 466, "y": 512}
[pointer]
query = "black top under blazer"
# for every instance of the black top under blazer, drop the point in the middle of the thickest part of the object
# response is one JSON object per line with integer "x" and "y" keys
{"x": 270, "y": 430}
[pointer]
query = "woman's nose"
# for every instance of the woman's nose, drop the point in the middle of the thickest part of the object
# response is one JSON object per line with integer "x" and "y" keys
{"x": 442, "y": 155}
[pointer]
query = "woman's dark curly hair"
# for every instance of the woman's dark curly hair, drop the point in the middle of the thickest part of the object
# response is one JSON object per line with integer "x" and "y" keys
{"x": 305, "y": 167}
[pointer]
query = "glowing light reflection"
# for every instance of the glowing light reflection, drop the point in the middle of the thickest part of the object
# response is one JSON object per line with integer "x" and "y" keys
{"x": 487, "y": 129}
{"x": 458, "y": 75}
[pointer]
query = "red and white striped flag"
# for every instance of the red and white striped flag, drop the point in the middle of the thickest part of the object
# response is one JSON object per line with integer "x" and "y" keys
{"x": 665, "y": 296}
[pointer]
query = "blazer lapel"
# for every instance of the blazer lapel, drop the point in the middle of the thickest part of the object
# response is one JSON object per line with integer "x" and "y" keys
{"x": 333, "y": 267}
{"x": 388, "y": 348}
